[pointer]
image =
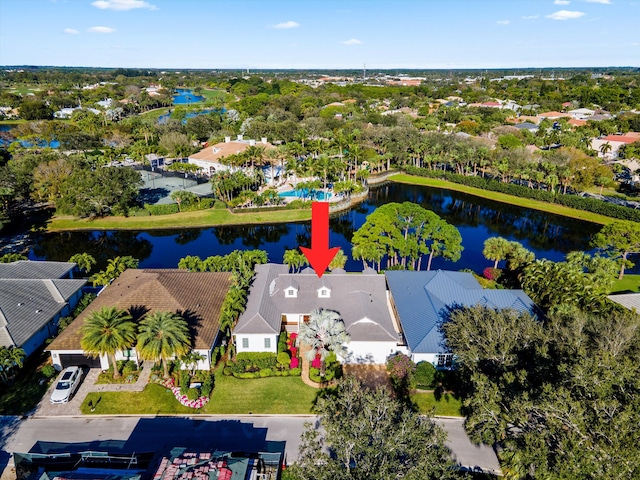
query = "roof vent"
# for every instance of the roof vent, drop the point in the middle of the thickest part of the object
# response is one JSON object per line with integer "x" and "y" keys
{"x": 39, "y": 310}
{"x": 20, "y": 304}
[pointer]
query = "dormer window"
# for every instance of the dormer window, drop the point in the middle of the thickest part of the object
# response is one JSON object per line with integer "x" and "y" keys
{"x": 291, "y": 293}
{"x": 325, "y": 290}
{"x": 291, "y": 290}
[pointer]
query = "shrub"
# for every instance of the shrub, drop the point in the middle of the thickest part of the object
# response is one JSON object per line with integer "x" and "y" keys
{"x": 227, "y": 370}
{"x": 49, "y": 371}
{"x": 254, "y": 361}
{"x": 401, "y": 370}
{"x": 184, "y": 378}
{"x": 295, "y": 372}
{"x": 425, "y": 374}
{"x": 192, "y": 393}
{"x": 295, "y": 361}
{"x": 284, "y": 358}
{"x": 491, "y": 273}
{"x": 129, "y": 367}
{"x": 166, "y": 209}
{"x": 266, "y": 372}
{"x": 207, "y": 385}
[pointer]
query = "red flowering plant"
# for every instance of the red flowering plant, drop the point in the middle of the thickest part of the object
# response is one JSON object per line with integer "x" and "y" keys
{"x": 401, "y": 370}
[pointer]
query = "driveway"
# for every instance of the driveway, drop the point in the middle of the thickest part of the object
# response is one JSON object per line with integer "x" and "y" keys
{"x": 71, "y": 408}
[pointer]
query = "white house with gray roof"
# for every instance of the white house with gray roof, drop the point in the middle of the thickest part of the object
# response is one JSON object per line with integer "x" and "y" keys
{"x": 279, "y": 300}
{"x": 33, "y": 297}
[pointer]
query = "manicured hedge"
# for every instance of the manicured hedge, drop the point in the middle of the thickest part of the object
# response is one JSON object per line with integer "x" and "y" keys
{"x": 574, "y": 201}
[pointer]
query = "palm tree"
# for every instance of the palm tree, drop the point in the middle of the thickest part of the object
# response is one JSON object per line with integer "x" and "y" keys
{"x": 106, "y": 331}
{"x": 338, "y": 261}
{"x": 163, "y": 335}
{"x": 496, "y": 249}
{"x": 10, "y": 359}
{"x": 324, "y": 332}
{"x": 605, "y": 148}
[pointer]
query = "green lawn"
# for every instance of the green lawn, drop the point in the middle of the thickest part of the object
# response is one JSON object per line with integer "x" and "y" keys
{"x": 214, "y": 94}
{"x": 276, "y": 395}
{"x": 154, "y": 399}
{"x": 201, "y": 218}
{"x": 504, "y": 198}
{"x": 156, "y": 112}
{"x": 628, "y": 284}
{"x": 448, "y": 405}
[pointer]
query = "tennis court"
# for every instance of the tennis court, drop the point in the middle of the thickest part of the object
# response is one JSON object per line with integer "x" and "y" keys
{"x": 158, "y": 186}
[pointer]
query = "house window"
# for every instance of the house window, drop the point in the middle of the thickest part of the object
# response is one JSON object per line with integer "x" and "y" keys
{"x": 267, "y": 343}
{"x": 444, "y": 360}
{"x": 245, "y": 343}
{"x": 291, "y": 293}
{"x": 324, "y": 293}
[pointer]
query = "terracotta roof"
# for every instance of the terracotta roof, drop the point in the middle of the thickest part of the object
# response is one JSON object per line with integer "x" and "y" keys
{"x": 197, "y": 296}
{"x": 215, "y": 153}
{"x": 553, "y": 115}
{"x": 620, "y": 138}
{"x": 577, "y": 123}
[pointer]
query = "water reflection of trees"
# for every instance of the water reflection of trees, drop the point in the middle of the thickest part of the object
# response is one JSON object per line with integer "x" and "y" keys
{"x": 540, "y": 229}
{"x": 253, "y": 236}
{"x": 103, "y": 245}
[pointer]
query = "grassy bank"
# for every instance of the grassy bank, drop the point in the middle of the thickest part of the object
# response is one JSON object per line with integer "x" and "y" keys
{"x": 504, "y": 198}
{"x": 628, "y": 284}
{"x": 201, "y": 218}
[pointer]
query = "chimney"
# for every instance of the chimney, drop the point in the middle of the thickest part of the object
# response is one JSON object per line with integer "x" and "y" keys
{"x": 252, "y": 143}
{"x": 264, "y": 140}
{"x": 239, "y": 138}
{"x": 227, "y": 139}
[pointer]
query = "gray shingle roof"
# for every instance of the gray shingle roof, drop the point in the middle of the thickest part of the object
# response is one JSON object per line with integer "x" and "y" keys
{"x": 28, "y": 305}
{"x": 359, "y": 299}
{"x": 34, "y": 270}
{"x": 421, "y": 297}
{"x": 627, "y": 300}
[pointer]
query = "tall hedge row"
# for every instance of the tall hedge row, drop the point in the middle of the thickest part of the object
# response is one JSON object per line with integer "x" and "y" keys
{"x": 574, "y": 201}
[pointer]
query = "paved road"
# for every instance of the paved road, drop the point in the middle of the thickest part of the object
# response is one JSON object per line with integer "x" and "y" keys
{"x": 160, "y": 434}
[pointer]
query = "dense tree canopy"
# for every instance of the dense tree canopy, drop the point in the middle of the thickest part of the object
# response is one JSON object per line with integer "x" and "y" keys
{"x": 557, "y": 398}
{"x": 371, "y": 436}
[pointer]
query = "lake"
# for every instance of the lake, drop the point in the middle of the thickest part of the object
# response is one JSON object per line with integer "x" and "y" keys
{"x": 549, "y": 236}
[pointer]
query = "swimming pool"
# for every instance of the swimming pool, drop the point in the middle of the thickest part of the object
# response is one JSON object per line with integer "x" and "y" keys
{"x": 304, "y": 193}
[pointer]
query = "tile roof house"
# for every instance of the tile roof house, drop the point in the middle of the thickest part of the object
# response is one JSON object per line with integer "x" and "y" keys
{"x": 615, "y": 141}
{"x": 33, "y": 298}
{"x": 419, "y": 300}
{"x": 279, "y": 300}
{"x": 196, "y": 296}
{"x": 211, "y": 158}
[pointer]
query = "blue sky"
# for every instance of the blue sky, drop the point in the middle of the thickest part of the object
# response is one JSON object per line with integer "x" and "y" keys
{"x": 320, "y": 33}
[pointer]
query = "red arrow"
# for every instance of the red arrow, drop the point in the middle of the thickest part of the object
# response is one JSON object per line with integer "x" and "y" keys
{"x": 320, "y": 255}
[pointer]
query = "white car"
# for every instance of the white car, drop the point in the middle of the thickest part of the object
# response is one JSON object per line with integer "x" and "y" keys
{"x": 67, "y": 385}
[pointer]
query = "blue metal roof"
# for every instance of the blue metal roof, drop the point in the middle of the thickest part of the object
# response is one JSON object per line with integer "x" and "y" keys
{"x": 422, "y": 297}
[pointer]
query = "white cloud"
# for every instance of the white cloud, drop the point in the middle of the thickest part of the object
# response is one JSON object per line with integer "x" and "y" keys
{"x": 352, "y": 41}
{"x": 70, "y": 31}
{"x": 531, "y": 17}
{"x": 604, "y": 2}
{"x": 122, "y": 5}
{"x": 284, "y": 25}
{"x": 503, "y": 22}
{"x": 565, "y": 15}
{"x": 562, "y": 2}
{"x": 99, "y": 29}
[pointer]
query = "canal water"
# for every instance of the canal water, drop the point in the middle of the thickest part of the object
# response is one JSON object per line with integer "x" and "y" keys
{"x": 549, "y": 236}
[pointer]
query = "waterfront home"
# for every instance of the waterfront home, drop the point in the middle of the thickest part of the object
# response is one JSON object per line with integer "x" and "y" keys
{"x": 211, "y": 159}
{"x": 34, "y": 296}
{"x": 420, "y": 301}
{"x": 195, "y": 296}
{"x": 281, "y": 301}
